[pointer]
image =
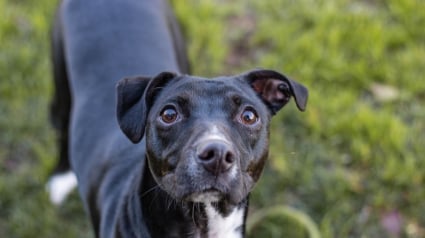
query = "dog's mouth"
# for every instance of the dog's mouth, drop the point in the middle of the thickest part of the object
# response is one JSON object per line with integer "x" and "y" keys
{"x": 205, "y": 196}
{"x": 206, "y": 189}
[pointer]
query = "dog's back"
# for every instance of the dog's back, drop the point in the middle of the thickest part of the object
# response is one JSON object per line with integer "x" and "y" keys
{"x": 104, "y": 41}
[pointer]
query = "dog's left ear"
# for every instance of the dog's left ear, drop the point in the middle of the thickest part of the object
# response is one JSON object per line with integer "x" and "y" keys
{"x": 275, "y": 89}
{"x": 134, "y": 98}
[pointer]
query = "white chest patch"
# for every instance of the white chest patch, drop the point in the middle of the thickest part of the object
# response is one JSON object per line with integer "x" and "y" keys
{"x": 224, "y": 227}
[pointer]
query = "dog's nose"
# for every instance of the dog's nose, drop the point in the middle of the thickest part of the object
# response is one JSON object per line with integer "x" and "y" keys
{"x": 216, "y": 157}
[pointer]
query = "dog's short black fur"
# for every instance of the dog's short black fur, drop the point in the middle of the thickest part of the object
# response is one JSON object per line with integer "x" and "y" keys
{"x": 199, "y": 145}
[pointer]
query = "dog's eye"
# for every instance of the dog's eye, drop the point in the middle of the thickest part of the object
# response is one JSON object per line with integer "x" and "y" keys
{"x": 169, "y": 115}
{"x": 249, "y": 116}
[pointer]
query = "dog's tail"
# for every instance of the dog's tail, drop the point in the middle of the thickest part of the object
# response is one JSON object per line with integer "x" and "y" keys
{"x": 178, "y": 40}
{"x": 62, "y": 180}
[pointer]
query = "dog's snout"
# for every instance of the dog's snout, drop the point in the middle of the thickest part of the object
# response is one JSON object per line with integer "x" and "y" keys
{"x": 216, "y": 157}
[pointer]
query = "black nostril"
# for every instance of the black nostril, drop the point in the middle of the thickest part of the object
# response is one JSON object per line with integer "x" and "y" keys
{"x": 229, "y": 158}
{"x": 216, "y": 157}
{"x": 207, "y": 154}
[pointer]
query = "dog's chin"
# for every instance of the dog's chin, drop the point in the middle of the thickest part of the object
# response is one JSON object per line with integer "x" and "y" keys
{"x": 205, "y": 188}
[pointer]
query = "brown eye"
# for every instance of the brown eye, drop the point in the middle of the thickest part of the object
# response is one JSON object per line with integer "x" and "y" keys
{"x": 169, "y": 115}
{"x": 249, "y": 116}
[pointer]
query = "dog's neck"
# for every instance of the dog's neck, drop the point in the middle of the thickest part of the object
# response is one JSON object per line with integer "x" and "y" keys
{"x": 165, "y": 217}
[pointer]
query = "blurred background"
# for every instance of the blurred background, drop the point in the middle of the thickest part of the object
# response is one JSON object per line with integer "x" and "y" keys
{"x": 352, "y": 165}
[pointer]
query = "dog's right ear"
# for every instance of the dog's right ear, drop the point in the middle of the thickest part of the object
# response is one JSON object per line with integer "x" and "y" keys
{"x": 131, "y": 111}
{"x": 134, "y": 97}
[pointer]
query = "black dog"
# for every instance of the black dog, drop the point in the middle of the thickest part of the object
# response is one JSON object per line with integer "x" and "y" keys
{"x": 205, "y": 140}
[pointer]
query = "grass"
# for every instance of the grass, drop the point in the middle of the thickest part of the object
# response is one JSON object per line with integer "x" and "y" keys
{"x": 352, "y": 163}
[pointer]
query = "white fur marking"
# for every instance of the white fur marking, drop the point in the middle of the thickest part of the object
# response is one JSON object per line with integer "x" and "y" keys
{"x": 219, "y": 226}
{"x": 214, "y": 134}
{"x": 206, "y": 197}
{"x": 233, "y": 172}
{"x": 59, "y": 186}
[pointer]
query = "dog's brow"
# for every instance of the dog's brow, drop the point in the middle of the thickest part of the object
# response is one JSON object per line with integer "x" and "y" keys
{"x": 182, "y": 99}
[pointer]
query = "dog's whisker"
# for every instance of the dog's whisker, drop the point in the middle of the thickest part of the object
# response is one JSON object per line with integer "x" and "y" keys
{"x": 149, "y": 191}
{"x": 193, "y": 214}
{"x": 169, "y": 202}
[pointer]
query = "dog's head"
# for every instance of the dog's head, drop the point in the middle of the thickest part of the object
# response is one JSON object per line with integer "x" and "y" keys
{"x": 206, "y": 139}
